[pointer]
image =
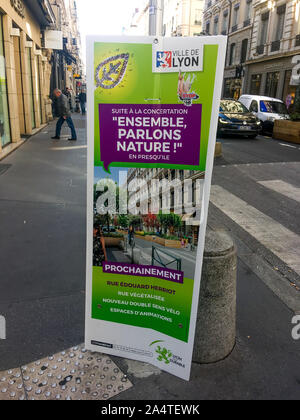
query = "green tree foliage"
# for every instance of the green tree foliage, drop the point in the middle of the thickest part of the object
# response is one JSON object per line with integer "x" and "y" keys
{"x": 123, "y": 220}
{"x": 169, "y": 221}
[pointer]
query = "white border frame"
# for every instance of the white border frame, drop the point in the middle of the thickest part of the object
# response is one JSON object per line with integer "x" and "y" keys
{"x": 91, "y": 325}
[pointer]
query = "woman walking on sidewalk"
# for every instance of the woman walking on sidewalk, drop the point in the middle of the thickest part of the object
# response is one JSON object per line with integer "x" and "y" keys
{"x": 62, "y": 110}
{"x": 82, "y": 100}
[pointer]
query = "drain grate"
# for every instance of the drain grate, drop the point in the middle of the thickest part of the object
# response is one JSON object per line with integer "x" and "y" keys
{"x": 74, "y": 374}
{"x": 4, "y": 168}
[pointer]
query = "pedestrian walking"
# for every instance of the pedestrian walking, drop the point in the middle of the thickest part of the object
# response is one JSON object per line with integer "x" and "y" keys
{"x": 82, "y": 100}
{"x": 68, "y": 93}
{"x": 63, "y": 112}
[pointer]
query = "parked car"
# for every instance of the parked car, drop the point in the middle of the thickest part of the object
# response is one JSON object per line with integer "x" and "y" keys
{"x": 266, "y": 109}
{"x": 234, "y": 118}
{"x": 110, "y": 229}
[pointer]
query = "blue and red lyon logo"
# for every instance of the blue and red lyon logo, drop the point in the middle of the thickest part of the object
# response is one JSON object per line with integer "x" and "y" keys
{"x": 164, "y": 59}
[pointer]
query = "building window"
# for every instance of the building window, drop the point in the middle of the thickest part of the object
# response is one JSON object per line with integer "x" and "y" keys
{"x": 248, "y": 10}
{"x": 232, "y": 88}
{"x": 255, "y": 84}
{"x": 216, "y": 25}
{"x": 37, "y": 88}
{"x": 198, "y": 17}
{"x": 272, "y": 84}
{"x": 207, "y": 27}
{"x": 30, "y": 82}
{"x": 278, "y": 30}
{"x": 280, "y": 22}
{"x": 235, "y": 16}
{"x": 225, "y": 22}
{"x": 4, "y": 113}
{"x": 244, "y": 50}
{"x": 232, "y": 54}
{"x": 264, "y": 28}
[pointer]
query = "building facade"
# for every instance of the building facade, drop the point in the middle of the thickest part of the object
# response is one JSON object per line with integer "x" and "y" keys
{"x": 24, "y": 68}
{"x": 67, "y": 64}
{"x": 183, "y": 17}
{"x": 29, "y": 68}
{"x": 234, "y": 19}
{"x": 275, "y": 42}
{"x": 263, "y": 39}
{"x": 181, "y": 194}
{"x": 168, "y": 18}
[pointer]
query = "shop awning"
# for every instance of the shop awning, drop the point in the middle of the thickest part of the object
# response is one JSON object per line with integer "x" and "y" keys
{"x": 189, "y": 219}
{"x": 69, "y": 57}
{"x": 42, "y": 11}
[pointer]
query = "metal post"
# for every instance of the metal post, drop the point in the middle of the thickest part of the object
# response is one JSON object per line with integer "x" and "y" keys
{"x": 152, "y": 17}
{"x": 156, "y": 10}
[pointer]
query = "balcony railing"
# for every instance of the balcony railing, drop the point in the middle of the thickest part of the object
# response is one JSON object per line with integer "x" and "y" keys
{"x": 247, "y": 22}
{"x": 275, "y": 46}
{"x": 297, "y": 41}
{"x": 260, "y": 49}
{"x": 234, "y": 28}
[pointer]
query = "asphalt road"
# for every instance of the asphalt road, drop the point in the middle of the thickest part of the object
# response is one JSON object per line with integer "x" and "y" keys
{"x": 188, "y": 258}
{"x": 255, "y": 198}
{"x": 259, "y": 184}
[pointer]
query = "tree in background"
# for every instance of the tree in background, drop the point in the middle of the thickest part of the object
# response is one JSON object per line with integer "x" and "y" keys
{"x": 123, "y": 220}
{"x": 135, "y": 221}
{"x": 169, "y": 222}
{"x": 150, "y": 221}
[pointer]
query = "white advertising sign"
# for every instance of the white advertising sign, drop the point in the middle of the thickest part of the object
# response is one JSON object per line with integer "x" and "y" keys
{"x": 153, "y": 113}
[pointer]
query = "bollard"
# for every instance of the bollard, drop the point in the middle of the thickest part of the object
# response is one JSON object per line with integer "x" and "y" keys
{"x": 216, "y": 318}
{"x": 218, "y": 149}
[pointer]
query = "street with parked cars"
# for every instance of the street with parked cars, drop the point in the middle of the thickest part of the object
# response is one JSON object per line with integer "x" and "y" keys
{"x": 250, "y": 115}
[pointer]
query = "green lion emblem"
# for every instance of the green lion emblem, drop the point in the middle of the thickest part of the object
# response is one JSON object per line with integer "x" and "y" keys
{"x": 164, "y": 355}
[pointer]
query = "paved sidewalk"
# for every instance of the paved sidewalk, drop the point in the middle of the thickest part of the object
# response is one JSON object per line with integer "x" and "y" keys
{"x": 42, "y": 259}
{"x": 42, "y": 242}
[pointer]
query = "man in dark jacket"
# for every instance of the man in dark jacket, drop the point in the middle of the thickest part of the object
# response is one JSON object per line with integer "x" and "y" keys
{"x": 82, "y": 100}
{"x": 62, "y": 110}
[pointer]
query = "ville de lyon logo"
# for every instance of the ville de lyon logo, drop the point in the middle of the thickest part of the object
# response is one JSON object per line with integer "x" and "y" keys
{"x": 110, "y": 72}
{"x": 164, "y": 59}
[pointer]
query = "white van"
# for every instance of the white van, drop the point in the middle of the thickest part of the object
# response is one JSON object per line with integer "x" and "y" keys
{"x": 266, "y": 109}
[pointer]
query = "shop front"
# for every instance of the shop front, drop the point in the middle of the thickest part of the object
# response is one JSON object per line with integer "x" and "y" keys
{"x": 24, "y": 69}
{"x": 272, "y": 78}
{"x": 232, "y": 84}
{"x": 5, "y": 137}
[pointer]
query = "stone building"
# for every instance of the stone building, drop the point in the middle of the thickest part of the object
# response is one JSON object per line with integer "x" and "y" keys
{"x": 234, "y": 19}
{"x": 67, "y": 62}
{"x": 263, "y": 40}
{"x": 24, "y": 69}
{"x": 182, "y": 17}
{"x": 148, "y": 196}
{"x": 32, "y": 63}
{"x": 167, "y": 18}
{"x": 275, "y": 43}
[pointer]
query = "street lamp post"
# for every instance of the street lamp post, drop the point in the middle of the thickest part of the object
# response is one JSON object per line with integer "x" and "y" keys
{"x": 156, "y": 9}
